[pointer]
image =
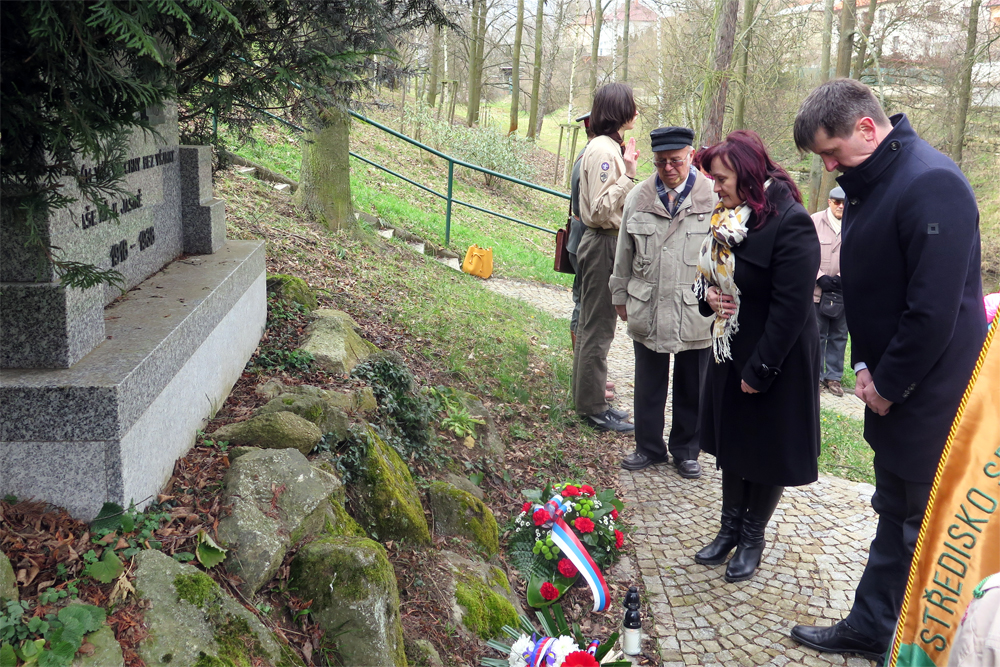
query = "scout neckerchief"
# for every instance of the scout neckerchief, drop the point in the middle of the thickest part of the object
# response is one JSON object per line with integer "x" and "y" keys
{"x": 662, "y": 192}
{"x": 717, "y": 267}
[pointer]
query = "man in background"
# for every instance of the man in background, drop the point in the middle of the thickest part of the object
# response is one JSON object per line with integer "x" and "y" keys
{"x": 829, "y": 295}
{"x": 910, "y": 264}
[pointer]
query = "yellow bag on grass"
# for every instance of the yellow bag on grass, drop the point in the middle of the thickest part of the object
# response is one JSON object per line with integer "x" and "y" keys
{"x": 478, "y": 261}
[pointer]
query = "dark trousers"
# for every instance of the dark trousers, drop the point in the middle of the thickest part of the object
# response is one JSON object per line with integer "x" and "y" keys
{"x": 596, "y": 329}
{"x": 832, "y": 343}
{"x": 900, "y": 506}
{"x": 652, "y": 372}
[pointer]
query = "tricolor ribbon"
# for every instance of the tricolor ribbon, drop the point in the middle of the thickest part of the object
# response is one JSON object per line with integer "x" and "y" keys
{"x": 570, "y": 545}
{"x": 540, "y": 655}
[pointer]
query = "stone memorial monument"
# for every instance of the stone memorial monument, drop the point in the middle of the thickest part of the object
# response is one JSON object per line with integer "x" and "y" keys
{"x": 102, "y": 390}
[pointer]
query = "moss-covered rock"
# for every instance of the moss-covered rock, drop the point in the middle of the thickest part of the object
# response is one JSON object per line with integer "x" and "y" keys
{"x": 334, "y": 340}
{"x": 277, "y": 499}
{"x": 458, "y": 512}
{"x": 354, "y": 598}
{"x": 355, "y": 401}
{"x": 465, "y": 484}
{"x": 8, "y": 582}
{"x": 106, "y": 651}
{"x": 331, "y": 420}
{"x": 421, "y": 653}
{"x": 193, "y": 623}
{"x": 279, "y": 430}
{"x": 388, "y": 501}
{"x": 482, "y": 601}
{"x": 291, "y": 288}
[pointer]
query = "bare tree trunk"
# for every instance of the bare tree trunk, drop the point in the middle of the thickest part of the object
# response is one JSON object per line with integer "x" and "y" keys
{"x": 515, "y": 71}
{"x": 824, "y": 67}
{"x": 476, "y": 60}
{"x": 717, "y": 83}
{"x": 659, "y": 72}
{"x": 866, "y": 31}
{"x": 844, "y": 52}
{"x": 628, "y": 13}
{"x": 816, "y": 168}
{"x": 743, "y": 64}
{"x": 595, "y": 46}
{"x": 550, "y": 64}
{"x": 325, "y": 177}
{"x": 536, "y": 73}
{"x": 435, "y": 63}
{"x": 846, "y": 47}
{"x": 965, "y": 84}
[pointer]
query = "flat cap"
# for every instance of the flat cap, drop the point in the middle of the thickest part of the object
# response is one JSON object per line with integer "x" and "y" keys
{"x": 838, "y": 193}
{"x": 671, "y": 138}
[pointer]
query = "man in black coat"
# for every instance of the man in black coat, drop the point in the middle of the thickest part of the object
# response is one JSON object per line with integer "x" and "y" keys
{"x": 910, "y": 266}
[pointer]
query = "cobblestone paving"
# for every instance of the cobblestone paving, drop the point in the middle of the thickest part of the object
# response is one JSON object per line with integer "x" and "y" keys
{"x": 817, "y": 545}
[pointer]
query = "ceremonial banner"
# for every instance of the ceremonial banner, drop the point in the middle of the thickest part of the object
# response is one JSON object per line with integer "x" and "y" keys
{"x": 959, "y": 543}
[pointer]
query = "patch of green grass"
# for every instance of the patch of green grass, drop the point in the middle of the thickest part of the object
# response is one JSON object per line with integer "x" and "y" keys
{"x": 844, "y": 452}
{"x": 276, "y": 147}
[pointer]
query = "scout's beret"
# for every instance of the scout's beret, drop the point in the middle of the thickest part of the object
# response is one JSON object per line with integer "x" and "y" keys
{"x": 671, "y": 138}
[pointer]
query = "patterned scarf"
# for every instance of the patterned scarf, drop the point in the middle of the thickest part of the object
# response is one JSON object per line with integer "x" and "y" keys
{"x": 717, "y": 266}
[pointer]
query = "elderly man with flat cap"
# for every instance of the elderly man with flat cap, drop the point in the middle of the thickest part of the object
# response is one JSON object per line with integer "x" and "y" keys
{"x": 666, "y": 219}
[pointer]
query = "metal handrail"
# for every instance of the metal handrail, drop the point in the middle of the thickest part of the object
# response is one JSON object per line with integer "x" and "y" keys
{"x": 451, "y": 174}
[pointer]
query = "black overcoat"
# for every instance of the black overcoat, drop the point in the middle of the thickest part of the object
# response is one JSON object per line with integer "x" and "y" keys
{"x": 771, "y": 437}
{"x": 910, "y": 267}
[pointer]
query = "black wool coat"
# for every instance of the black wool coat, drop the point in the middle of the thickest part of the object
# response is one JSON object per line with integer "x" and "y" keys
{"x": 771, "y": 437}
{"x": 910, "y": 266}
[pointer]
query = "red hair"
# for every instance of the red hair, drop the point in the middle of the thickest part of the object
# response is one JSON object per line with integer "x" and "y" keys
{"x": 744, "y": 152}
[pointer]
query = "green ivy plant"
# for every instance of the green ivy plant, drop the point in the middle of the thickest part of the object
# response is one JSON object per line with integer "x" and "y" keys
{"x": 51, "y": 641}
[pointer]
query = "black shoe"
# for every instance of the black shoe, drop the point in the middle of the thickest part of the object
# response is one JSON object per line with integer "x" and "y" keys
{"x": 761, "y": 500}
{"x": 733, "y": 499}
{"x": 839, "y": 638}
{"x": 639, "y": 461}
{"x": 620, "y": 415}
{"x": 606, "y": 421}
{"x": 688, "y": 468}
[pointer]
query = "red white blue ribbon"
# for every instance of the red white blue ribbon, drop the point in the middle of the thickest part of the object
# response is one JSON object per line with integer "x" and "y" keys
{"x": 569, "y": 544}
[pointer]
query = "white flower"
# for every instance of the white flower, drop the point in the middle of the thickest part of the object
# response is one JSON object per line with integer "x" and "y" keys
{"x": 562, "y": 647}
{"x": 523, "y": 644}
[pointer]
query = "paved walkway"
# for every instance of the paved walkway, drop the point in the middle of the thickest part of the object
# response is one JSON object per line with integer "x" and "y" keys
{"x": 817, "y": 545}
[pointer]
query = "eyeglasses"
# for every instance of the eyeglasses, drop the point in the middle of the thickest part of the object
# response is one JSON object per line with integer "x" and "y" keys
{"x": 676, "y": 162}
{"x": 837, "y": 202}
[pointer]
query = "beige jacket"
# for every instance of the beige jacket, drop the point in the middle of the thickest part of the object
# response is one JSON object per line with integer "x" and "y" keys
{"x": 655, "y": 266}
{"x": 603, "y": 184}
{"x": 977, "y": 642}
{"x": 829, "y": 249}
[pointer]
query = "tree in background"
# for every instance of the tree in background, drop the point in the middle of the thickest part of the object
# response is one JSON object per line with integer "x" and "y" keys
{"x": 717, "y": 79}
{"x": 515, "y": 71}
{"x": 536, "y": 71}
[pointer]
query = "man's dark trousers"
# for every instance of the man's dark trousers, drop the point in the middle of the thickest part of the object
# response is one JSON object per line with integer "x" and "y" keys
{"x": 832, "y": 343}
{"x": 900, "y": 505}
{"x": 652, "y": 373}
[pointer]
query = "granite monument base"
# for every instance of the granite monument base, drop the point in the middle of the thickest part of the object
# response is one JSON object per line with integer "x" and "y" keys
{"x": 110, "y": 428}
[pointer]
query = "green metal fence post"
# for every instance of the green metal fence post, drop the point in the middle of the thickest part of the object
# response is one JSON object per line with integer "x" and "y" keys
{"x": 447, "y": 215}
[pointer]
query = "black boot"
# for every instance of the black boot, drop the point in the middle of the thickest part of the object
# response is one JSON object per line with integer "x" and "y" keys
{"x": 733, "y": 495}
{"x": 761, "y": 501}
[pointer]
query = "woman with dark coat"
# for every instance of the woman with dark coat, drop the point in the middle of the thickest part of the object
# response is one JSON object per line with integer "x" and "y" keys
{"x": 757, "y": 271}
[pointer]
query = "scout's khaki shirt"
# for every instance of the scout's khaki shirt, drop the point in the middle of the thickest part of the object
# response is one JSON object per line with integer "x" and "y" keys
{"x": 655, "y": 265}
{"x": 603, "y": 184}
